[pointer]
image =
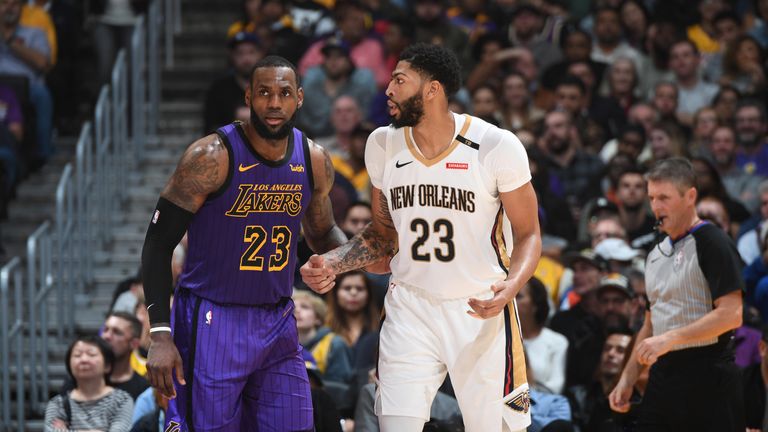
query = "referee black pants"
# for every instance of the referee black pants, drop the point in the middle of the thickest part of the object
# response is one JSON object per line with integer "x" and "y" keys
{"x": 693, "y": 389}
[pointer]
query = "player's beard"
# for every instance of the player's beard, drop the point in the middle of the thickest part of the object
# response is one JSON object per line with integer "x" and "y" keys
{"x": 411, "y": 111}
{"x": 264, "y": 130}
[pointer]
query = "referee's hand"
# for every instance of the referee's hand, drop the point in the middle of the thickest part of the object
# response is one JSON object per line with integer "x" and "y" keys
{"x": 619, "y": 397}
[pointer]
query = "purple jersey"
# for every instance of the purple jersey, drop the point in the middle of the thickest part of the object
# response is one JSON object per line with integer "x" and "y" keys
{"x": 243, "y": 238}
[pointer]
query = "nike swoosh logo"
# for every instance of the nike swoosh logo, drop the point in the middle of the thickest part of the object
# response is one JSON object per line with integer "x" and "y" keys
{"x": 242, "y": 168}
{"x": 399, "y": 165}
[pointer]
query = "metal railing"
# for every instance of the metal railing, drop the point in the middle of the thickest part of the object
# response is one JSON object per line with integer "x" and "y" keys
{"x": 66, "y": 250}
{"x": 60, "y": 255}
{"x": 39, "y": 285}
{"x": 104, "y": 169}
{"x": 138, "y": 91}
{"x": 154, "y": 21}
{"x": 11, "y": 332}
{"x": 85, "y": 179}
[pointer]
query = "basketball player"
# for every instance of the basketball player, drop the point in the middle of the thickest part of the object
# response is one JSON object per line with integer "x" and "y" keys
{"x": 243, "y": 193}
{"x": 442, "y": 185}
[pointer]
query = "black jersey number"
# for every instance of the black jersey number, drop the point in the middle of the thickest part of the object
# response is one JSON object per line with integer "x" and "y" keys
{"x": 256, "y": 236}
{"x": 444, "y": 229}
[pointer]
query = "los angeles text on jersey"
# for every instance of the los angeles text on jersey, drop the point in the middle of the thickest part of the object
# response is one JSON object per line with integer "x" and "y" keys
{"x": 267, "y": 198}
{"x": 429, "y": 195}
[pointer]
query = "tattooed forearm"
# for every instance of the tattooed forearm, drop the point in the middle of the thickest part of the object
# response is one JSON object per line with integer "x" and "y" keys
{"x": 365, "y": 248}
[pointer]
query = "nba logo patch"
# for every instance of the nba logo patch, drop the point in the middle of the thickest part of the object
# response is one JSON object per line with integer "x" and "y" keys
{"x": 678, "y": 258}
{"x": 156, "y": 216}
{"x": 208, "y": 317}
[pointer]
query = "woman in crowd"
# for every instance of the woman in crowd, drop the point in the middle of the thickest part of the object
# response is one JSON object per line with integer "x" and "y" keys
{"x": 517, "y": 110}
{"x": 328, "y": 348}
{"x": 667, "y": 140}
{"x": 485, "y": 103}
{"x": 705, "y": 121}
{"x": 622, "y": 80}
{"x": 724, "y": 104}
{"x": 635, "y": 21}
{"x": 743, "y": 66}
{"x": 92, "y": 405}
{"x": 352, "y": 313}
{"x": 545, "y": 348}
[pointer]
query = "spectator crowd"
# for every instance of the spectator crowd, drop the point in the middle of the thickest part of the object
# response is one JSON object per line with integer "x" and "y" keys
{"x": 596, "y": 90}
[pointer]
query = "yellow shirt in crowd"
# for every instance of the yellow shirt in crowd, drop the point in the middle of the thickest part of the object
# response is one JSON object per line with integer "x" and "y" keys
{"x": 36, "y": 17}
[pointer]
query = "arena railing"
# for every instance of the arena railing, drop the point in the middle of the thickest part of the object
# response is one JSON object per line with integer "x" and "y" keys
{"x": 61, "y": 254}
{"x": 39, "y": 285}
{"x": 11, "y": 331}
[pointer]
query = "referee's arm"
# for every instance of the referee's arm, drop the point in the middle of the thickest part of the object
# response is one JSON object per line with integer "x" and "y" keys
{"x": 725, "y": 316}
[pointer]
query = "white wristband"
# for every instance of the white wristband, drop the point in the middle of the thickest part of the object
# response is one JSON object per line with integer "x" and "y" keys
{"x": 160, "y": 329}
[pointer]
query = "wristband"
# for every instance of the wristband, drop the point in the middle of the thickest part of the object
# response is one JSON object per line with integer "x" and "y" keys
{"x": 159, "y": 329}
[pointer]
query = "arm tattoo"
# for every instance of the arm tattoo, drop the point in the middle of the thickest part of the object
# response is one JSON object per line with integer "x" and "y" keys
{"x": 329, "y": 171}
{"x": 384, "y": 216}
{"x": 320, "y": 228}
{"x": 196, "y": 176}
{"x": 365, "y": 248}
{"x": 321, "y": 231}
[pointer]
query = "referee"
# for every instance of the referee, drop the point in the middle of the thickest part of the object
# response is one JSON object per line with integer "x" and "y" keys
{"x": 694, "y": 287}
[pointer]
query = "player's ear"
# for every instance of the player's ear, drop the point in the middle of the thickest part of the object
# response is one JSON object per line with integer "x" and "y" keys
{"x": 434, "y": 89}
{"x": 248, "y": 96}
{"x": 300, "y": 96}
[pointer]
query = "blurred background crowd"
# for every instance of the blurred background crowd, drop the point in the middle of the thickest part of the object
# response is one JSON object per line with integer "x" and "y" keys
{"x": 596, "y": 90}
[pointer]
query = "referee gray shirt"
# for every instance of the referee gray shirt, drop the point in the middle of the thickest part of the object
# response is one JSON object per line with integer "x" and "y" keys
{"x": 684, "y": 277}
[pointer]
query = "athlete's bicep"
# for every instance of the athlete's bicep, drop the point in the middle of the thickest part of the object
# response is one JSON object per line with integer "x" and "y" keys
{"x": 522, "y": 210}
{"x": 202, "y": 170}
{"x": 381, "y": 218}
{"x": 319, "y": 224}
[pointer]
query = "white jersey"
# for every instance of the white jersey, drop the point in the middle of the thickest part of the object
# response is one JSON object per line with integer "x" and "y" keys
{"x": 447, "y": 210}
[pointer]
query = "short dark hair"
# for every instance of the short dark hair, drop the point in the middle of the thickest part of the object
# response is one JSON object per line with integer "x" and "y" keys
{"x": 606, "y": 8}
{"x": 131, "y": 318}
{"x": 572, "y": 81}
{"x": 633, "y": 128}
{"x": 724, "y": 88}
{"x": 675, "y": 170}
{"x": 619, "y": 329}
{"x": 273, "y": 61}
{"x": 435, "y": 62}
{"x": 634, "y": 169}
{"x": 725, "y": 15}
{"x": 752, "y": 103}
{"x": 688, "y": 42}
{"x": 572, "y": 30}
{"x": 365, "y": 204}
{"x": 104, "y": 348}
{"x": 539, "y": 294}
